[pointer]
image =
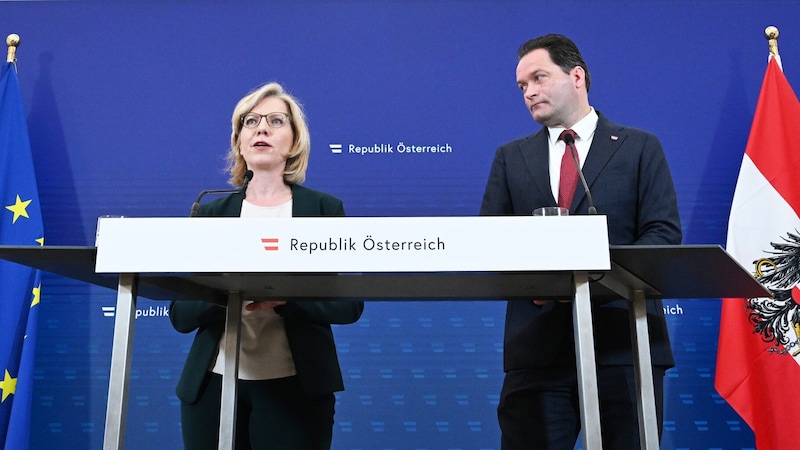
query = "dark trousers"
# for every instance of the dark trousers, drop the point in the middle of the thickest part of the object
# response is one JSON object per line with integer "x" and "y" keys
{"x": 540, "y": 409}
{"x": 270, "y": 414}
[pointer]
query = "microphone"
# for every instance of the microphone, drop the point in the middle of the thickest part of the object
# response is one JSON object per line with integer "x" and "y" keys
{"x": 570, "y": 141}
{"x": 196, "y": 205}
{"x": 248, "y": 175}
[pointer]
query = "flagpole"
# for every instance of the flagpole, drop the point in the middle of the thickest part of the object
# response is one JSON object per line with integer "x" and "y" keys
{"x": 771, "y": 33}
{"x": 12, "y": 41}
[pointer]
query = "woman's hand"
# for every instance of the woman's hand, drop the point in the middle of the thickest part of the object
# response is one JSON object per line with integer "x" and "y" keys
{"x": 260, "y": 305}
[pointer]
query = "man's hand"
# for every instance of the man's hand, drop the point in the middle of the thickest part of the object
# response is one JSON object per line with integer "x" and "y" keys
{"x": 544, "y": 302}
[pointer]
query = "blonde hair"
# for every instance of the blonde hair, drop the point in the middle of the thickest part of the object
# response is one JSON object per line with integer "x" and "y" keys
{"x": 296, "y": 165}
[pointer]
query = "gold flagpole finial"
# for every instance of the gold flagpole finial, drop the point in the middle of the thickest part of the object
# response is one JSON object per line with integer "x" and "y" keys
{"x": 12, "y": 41}
{"x": 771, "y": 33}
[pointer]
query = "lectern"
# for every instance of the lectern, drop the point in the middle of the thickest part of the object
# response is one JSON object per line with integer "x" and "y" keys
{"x": 230, "y": 260}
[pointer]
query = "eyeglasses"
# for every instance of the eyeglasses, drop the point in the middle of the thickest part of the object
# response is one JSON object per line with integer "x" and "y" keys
{"x": 274, "y": 120}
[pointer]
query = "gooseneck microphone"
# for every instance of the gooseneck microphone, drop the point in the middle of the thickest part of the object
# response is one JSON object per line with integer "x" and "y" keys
{"x": 248, "y": 175}
{"x": 196, "y": 205}
{"x": 570, "y": 141}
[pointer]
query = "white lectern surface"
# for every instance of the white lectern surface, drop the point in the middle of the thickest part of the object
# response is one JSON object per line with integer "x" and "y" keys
{"x": 352, "y": 244}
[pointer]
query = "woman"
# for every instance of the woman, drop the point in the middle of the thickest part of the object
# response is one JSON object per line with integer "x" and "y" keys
{"x": 288, "y": 367}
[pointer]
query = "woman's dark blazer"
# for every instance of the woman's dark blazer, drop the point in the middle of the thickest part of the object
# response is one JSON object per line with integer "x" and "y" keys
{"x": 308, "y": 323}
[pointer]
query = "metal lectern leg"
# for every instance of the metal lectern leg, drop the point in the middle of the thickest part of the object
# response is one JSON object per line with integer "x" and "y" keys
{"x": 121, "y": 352}
{"x": 648, "y": 421}
{"x": 587, "y": 365}
{"x": 230, "y": 372}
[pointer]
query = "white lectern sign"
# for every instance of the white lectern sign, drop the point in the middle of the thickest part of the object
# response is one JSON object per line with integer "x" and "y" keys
{"x": 346, "y": 248}
{"x": 352, "y": 244}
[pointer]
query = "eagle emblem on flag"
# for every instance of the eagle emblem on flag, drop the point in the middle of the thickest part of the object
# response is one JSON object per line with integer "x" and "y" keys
{"x": 777, "y": 319}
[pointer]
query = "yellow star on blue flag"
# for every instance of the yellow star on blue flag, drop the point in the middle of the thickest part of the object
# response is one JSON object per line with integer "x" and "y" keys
{"x": 19, "y": 209}
{"x": 7, "y": 387}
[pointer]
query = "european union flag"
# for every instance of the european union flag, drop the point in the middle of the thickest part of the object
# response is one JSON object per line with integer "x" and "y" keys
{"x": 20, "y": 224}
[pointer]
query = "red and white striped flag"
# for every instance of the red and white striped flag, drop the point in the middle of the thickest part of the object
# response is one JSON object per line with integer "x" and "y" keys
{"x": 758, "y": 358}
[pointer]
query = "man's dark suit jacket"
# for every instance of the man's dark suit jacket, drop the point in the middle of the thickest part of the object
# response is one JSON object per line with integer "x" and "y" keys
{"x": 307, "y": 323}
{"x": 630, "y": 183}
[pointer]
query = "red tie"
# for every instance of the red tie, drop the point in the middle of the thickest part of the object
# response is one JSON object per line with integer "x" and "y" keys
{"x": 569, "y": 174}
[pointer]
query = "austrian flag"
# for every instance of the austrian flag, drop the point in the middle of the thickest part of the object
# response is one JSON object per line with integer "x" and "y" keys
{"x": 758, "y": 356}
{"x": 270, "y": 244}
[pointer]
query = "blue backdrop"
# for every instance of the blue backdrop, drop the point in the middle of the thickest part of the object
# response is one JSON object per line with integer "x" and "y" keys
{"x": 129, "y": 107}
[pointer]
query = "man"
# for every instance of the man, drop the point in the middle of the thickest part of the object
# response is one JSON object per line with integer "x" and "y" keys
{"x": 631, "y": 184}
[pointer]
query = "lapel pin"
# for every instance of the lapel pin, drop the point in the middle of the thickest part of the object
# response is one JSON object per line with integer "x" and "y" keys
{"x": 614, "y": 138}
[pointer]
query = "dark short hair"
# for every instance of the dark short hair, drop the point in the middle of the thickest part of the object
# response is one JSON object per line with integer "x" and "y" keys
{"x": 562, "y": 50}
